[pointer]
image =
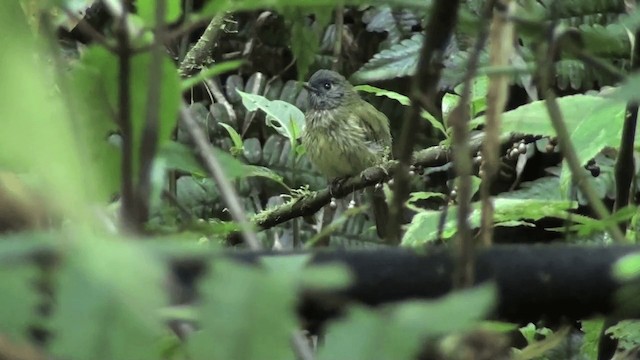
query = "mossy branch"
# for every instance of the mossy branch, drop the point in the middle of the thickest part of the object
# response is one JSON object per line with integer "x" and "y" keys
{"x": 308, "y": 205}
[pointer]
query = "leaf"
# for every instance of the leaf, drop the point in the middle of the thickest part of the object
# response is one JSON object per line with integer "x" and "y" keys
{"x": 404, "y": 100}
{"x": 37, "y": 133}
{"x": 627, "y": 332}
{"x": 255, "y": 319}
{"x": 179, "y": 157}
{"x": 399, "y": 60}
{"x": 146, "y": 9}
{"x": 434, "y": 122}
{"x": 593, "y": 122}
{"x": 628, "y": 267}
{"x": 424, "y": 226}
{"x": 287, "y": 119}
{"x": 18, "y": 297}
{"x": 120, "y": 288}
{"x": 235, "y": 137}
{"x": 591, "y": 339}
{"x": 399, "y": 331}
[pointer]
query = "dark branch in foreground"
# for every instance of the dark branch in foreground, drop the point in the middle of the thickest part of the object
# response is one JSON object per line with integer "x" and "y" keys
{"x": 549, "y": 282}
{"x": 309, "y": 205}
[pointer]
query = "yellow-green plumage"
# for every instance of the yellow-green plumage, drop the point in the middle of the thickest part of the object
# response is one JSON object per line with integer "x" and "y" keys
{"x": 344, "y": 134}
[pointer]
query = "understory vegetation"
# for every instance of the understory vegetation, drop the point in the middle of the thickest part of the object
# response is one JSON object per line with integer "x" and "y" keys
{"x": 156, "y": 201}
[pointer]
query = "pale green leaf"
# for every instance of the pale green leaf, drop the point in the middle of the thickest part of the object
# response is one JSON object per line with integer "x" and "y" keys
{"x": 235, "y": 137}
{"x": 287, "y": 119}
{"x": 146, "y": 9}
{"x": 404, "y": 100}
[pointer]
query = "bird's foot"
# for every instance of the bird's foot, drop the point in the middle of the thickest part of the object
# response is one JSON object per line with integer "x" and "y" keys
{"x": 373, "y": 173}
{"x": 336, "y": 184}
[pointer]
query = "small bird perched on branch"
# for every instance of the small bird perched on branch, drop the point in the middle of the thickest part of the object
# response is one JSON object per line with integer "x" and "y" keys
{"x": 344, "y": 134}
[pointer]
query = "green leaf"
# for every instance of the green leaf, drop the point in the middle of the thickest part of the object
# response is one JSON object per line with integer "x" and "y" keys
{"x": 18, "y": 292}
{"x": 38, "y": 135}
{"x": 238, "y": 144}
{"x": 399, "y": 60}
{"x": 179, "y": 157}
{"x": 317, "y": 277}
{"x": 212, "y": 71}
{"x": 105, "y": 66}
{"x": 399, "y": 331}
{"x": 591, "y": 339}
{"x": 424, "y": 226}
{"x": 628, "y": 267}
{"x": 404, "y": 100}
{"x": 287, "y": 119}
{"x": 627, "y": 332}
{"x": 146, "y": 9}
{"x": 120, "y": 288}
{"x": 248, "y": 307}
{"x": 434, "y": 122}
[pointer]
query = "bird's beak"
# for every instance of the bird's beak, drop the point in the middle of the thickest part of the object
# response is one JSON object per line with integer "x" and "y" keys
{"x": 309, "y": 87}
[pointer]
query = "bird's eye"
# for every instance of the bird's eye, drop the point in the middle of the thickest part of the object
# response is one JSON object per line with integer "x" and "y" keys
{"x": 327, "y": 85}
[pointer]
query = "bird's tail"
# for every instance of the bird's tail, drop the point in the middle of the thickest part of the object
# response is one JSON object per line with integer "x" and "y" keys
{"x": 380, "y": 211}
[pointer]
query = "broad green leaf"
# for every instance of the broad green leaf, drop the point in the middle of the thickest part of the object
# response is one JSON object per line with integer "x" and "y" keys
{"x": 593, "y": 123}
{"x": 404, "y": 100}
{"x": 245, "y": 313}
{"x": 105, "y": 67}
{"x": 424, "y": 226}
{"x": 120, "y": 288}
{"x": 399, "y": 60}
{"x": 38, "y": 135}
{"x": 399, "y": 331}
{"x": 146, "y": 9}
{"x": 287, "y": 119}
{"x": 177, "y": 156}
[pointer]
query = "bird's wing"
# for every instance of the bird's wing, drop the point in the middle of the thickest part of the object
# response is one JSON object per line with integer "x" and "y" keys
{"x": 374, "y": 123}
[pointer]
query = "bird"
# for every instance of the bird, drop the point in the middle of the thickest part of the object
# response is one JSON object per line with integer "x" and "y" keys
{"x": 345, "y": 135}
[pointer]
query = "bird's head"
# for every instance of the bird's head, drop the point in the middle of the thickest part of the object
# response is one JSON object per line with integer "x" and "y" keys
{"x": 328, "y": 90}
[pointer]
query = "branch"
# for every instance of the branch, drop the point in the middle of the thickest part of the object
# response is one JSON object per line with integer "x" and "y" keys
{"x": 308, "y": 205}
{"x": 127, "y": 206}
{"x": 212, "y": 165}
{"x": 546, "y": 73}
{"x": 149, "y": 141}
{"x": 200, "y": 52}
{"x": 424, "y": 89}
{"x": 501, "y": 47}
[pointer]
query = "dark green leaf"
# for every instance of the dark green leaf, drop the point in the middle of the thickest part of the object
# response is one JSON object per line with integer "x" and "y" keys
{"x": 399, "y": 60}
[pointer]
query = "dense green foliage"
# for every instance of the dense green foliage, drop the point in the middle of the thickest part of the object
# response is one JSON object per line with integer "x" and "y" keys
{"x": 71, "y": 270}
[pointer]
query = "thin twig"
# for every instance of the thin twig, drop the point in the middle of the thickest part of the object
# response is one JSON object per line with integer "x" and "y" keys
{"x": 337, "y": 45}
{"x": 149, "y": 142}
{"x": 625, "y": 165}
{"x": 459, "y": 118}
{"x": 501, "y": 47}
{"x": 212, "y": 165}
{"x": 127, "y": 211}
{"x": 546, "y": 73}
{"x": 424, "y": 89}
